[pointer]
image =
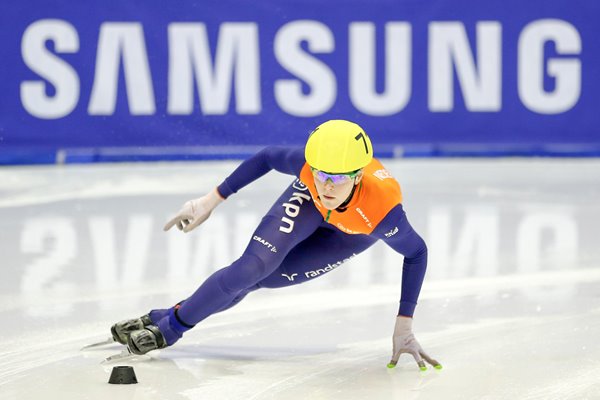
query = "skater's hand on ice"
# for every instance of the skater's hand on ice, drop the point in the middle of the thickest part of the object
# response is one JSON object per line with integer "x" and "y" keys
{"x": 194, "y": 212}
{"x": 405, "y": 342}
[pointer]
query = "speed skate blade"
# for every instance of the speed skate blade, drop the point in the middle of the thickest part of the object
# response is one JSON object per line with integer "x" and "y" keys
{"x": 125, "y": 354}
{"x": 102, "y": 343}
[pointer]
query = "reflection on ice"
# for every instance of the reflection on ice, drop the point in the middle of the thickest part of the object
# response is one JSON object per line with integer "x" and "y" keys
{"x": 509, "y": 306}
{"x": 56, "y": 252}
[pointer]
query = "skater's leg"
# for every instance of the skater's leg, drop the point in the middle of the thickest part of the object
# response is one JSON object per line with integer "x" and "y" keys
{"x": 237, "y": 299}
{"x": 232, "y": 282}
{"x": 158, "y": 314}
{"x": 291, "y": 220}
{"x": 123, "y": 329}
{"x": 324, "y": 250}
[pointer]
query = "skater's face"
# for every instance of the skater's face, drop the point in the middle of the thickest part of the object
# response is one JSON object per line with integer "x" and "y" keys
{"x": 334, "y": 189}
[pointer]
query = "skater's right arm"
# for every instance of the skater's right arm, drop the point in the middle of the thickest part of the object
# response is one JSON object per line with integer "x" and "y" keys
{"x": 288, "y": 160}
{"x": 195, "y": 212}
{"x": 283, "y": 159}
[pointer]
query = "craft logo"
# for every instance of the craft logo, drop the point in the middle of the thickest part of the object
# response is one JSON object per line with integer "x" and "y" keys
{"x": 364, "y": 217}
{"x": 265, "y": 243}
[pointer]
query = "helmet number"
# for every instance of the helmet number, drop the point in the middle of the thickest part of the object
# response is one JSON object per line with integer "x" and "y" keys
{"x": 362, "y": 136}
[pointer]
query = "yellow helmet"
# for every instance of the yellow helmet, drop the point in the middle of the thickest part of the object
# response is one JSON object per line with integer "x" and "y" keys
{"x": 338, "y": 146}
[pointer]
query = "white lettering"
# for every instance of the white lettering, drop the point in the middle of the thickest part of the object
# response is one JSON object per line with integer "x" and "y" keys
{"x": 547, "y": 240}
{"x": 57, "y": 72}
{"x": 61, "y": 251}
{"x": 382, "y": 174}
{"x": 265, "y": 243}
{"x": 392, "y": 232}
{"x": 329, "y": 267}
{"x": 300, "y": 197}
{"x": 344, "y": 229}
{"x": 120, "y": 40}
{"x": 364, "y": 217}
{"x": 54, "y": 243}
{"x": 290, "y": 277}
{"x": 291, "y": 210}
{"x": 317, "y": 75}
{"x": 136, "y": 248}
{"x": 362, "y": 63}
{"x": 565, "y": 72}
{"x": 237, "y": 58}
{"x": 289, "y": 227}
{"x": 298, "y": 185}
{"x": 481, "y": 85}
{"x": 548, "y": 82}
{"x": 477, "y": 243}
{"x": 193, "y": 257}
{"x": 534, "y": 249}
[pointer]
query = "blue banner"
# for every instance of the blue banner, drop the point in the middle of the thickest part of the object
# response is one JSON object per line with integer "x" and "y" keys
{"x": 105, "y": 80}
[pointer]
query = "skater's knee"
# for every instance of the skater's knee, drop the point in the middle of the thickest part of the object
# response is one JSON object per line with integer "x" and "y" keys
{"x": 243, "y": 273}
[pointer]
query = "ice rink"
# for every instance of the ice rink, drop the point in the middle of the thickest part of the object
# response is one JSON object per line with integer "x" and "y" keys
{"x": 510, "y": 304}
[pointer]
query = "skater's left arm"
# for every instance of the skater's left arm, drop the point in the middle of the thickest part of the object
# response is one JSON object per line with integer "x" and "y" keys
{"x": 396, "y": 232}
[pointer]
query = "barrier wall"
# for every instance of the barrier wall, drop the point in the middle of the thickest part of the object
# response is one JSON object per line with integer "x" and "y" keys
{"x": 109, "y": 81}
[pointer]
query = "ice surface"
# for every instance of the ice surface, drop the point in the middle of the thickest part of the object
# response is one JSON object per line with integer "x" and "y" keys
{"x": 510, "y": 306}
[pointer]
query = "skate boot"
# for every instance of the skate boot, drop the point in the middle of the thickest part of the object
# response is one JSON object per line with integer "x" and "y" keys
{"x": 122, "y": 329}
{"x": 147, "y": 339}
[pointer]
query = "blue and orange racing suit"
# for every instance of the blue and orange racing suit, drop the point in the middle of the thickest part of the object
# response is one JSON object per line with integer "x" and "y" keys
{"x": 299, "y": 240}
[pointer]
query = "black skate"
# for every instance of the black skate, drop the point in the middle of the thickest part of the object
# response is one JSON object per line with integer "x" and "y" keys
{"x": 147, "y": 339}
{"x": 122, "y": 329}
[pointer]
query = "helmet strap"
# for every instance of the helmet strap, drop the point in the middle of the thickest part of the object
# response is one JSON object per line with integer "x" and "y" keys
{"x": 342, "y": 207}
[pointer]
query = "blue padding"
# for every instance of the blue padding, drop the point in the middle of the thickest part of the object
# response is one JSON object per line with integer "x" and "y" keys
{"x": 25, "y": 157}
{"x": 151, "y": 154}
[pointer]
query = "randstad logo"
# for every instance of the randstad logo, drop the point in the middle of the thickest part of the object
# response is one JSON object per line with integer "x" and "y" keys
{"x": 290, "y": 277}
{"x": 329, "y": 267}
{"x": 392, "y": 232}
